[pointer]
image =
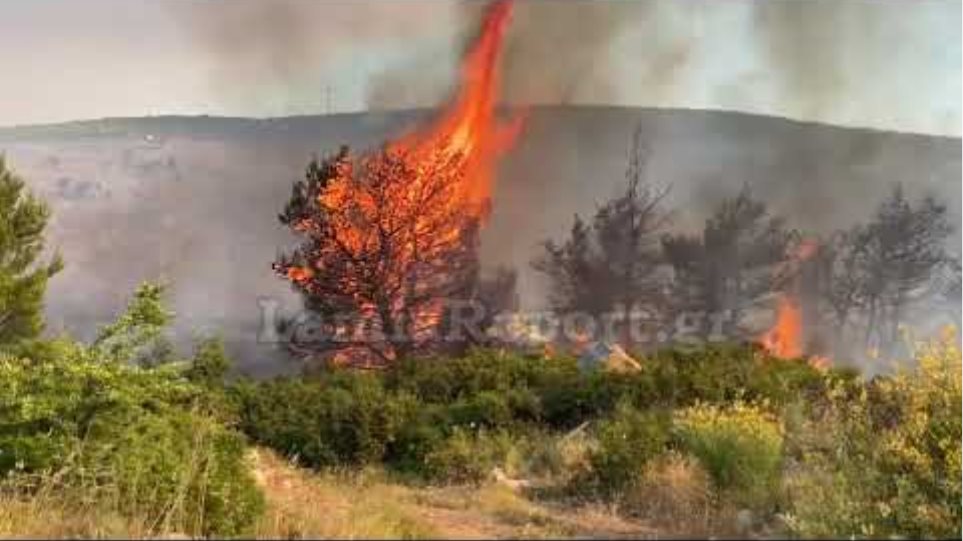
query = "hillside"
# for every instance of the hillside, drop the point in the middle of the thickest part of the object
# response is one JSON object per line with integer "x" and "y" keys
{"x": 193, "y": 199}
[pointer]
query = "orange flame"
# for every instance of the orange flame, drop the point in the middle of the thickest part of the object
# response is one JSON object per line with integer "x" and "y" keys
{"x": 469, "y": 128}
{"x": 410, "y": 206}
{"x": 783, "y": 340}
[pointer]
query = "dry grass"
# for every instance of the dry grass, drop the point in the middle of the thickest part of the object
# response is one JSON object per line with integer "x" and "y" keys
{"x": 51, "y": 516}
{"x": 676, "y": 497}
{"x": 354, "y": 505}
{"x": 366, "y": 505}
{"x": 302, "y": 505}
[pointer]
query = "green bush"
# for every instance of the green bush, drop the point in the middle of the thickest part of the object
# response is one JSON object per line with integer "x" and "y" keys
{"x": 181, "y": 471}
{"x": 739, "y": 445}
{"x": 416, "y": 439}
{"x": 128, "y": 436}
{"x": 338, "y": 418}
{"x": 467, "y": 456}
{"x": 402, "y": 415}
{"x": 626, "y": 442}
{"x": 485, "y": 409}
{"x": 885, "y": 461}
{"x": 141, "y": 439}
{"x": 580, "y": 397}
{"x": 444, "y": 380}
{"x": 721, "y": 373}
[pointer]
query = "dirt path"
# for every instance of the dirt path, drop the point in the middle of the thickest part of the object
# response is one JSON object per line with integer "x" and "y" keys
{"x": 302, "y": 504}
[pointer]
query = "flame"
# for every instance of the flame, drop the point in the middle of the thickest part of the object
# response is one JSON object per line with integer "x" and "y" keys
{"x": 469, "y": 129}
{"x": 437, "y": 183}
{"x": 784, "y": 340}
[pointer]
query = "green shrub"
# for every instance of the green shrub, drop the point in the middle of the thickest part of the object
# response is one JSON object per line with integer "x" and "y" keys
{"x": 885, "y": 461}
{"x": 626, "y": 442}
{"x": 127, "y": 436}
{"x": 180, "y": 471}
{"x": 740, "y": 446}
{"x": 466, "y": 456}
{"x": 416, "y": 439}
{"x": 487, "y": 408}
{"x": 721, "y": 373}
{"x": 143, "y": 440}
{"x": 338, "y": 418}
{"x": 444, "y": 380}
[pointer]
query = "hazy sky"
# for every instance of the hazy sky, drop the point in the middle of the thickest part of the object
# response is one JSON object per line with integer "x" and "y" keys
{"x": 891, "y": 64}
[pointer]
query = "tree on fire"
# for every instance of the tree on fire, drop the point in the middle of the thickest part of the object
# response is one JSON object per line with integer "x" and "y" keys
{"x": 383, "y": 244}
{"x": 614, "y": 261}
{"x": 731, "y": 265}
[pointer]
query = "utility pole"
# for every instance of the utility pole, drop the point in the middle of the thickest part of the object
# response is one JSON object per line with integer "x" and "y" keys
{"x": 327, "y": 99}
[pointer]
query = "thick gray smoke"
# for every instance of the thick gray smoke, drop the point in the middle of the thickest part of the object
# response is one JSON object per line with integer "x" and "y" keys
{"x": 555, "y": 53}
{"x": 861, "y": 62}
{"x": 301, "y": 55}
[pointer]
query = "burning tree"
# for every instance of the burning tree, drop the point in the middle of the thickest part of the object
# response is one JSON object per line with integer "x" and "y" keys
{"x": 868, "y": 275}
{"x": 390, "y": 236}
{"x": 386, "y": 240}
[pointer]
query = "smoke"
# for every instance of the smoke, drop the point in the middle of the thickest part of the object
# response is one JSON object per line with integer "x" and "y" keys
{"x": 854, "y": 63}
{"x": 559, "y": 52}
{"x": 555, "y": 53}
{"x": 297, "y": 55}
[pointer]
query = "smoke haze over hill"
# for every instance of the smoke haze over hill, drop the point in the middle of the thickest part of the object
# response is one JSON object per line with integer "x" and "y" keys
{"x": 194, "y": 200}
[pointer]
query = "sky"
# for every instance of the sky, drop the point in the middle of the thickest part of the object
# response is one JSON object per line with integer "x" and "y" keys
{"x": 886, "y": 64}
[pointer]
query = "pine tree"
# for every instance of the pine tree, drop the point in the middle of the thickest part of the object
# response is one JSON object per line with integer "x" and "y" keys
{"x": 612, "y": 262}
{"x": 23, "y": 277}
{"x": 904, "y": 245}
{"x": 384, "y": 243}
{"x": 731, "y": 265}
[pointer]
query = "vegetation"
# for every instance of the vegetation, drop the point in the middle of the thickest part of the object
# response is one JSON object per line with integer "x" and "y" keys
{"x": 142, "y": 441}
{"x": 884, "y": 459}
{"x": 739, "y": 445}
{"x": 123, "y": 437}
{"x": 611, "y": 261}
{"x": 23, "y": 279}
